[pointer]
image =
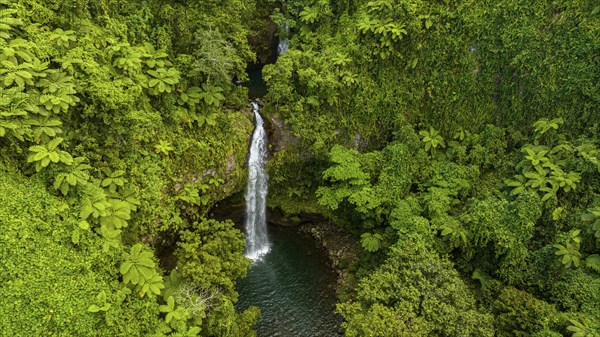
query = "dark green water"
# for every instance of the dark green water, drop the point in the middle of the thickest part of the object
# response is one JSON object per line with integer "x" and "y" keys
{"x": 256, "y": 85}
{"x": 293, "y": 287}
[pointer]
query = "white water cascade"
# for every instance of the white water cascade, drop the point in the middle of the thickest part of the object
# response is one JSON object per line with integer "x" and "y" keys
{"x": 284, "y": 44}
{"x": 257, "y": 241}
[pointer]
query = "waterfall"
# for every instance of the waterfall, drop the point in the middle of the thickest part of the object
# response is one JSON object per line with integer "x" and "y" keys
{"x": 257, "y": 242}
{"x": 284, "y": 44}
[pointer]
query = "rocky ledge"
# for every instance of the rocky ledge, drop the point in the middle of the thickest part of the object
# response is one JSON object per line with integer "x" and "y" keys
{"x": 342, "y": 249}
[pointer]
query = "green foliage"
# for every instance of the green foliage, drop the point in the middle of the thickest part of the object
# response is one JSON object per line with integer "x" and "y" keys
{"x": 570, "y": 251}
{"x": 59, "y": 92}
{"x": 85, "y": 92}
{"x": 386, "y": 23}
{"x": 432, "y": 140}
{"x": 50, "y": 286}
{"x": 499, "y": 77}
{"x": 43, "y": 155}
{"x": 520, "y": 314}
{"x": 163, "y": 80}
{"x": 62, "y": 38}
{"x": 113, "y": 180}
{"x": 77, "y": 174}
{"x": 454, "y": 232}
{"x": 418, "y": 289}
{"x": 545, "y": 169}
{"x": 163, "y": 147}
{"x": 210, "y": 255}
{"x": 350, "y": 182}
{"x": 371, "y": 242}
{"x": 126, "y": 109}
{"x": 191, "y": 195}
{"x": 593, "y": 262}
{"x": 217, "y": 56}
{"x": 576, "y": 291}
{"x": 592, "y": 218}
{"x": 309, "y": 15}
{"x": 400, "y": 170}
{"x": 376, "y": 322}
{"x": 139, "y": 269}
{"x": 347, "y": 167}
{"x": 580, "y": 329}
{"x": 504, "y": 230}
{"x": 95, "y": 204}
{"x": 45, "y": 128}
{"x": 211, "y": 95}
{"x": 176, "y": 317}
{"x": 544, "y": 125}
{"x": 102, "y": 305}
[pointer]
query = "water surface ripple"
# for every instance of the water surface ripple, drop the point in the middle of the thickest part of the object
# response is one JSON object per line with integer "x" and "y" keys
{"x": 294, "y": 288}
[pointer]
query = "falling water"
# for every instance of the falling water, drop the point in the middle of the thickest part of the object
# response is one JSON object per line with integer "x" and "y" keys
{"x": 257, "y": 242}
{"x": 284, "y": 44}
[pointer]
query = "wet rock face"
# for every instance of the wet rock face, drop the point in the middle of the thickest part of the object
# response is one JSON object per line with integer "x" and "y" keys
{"x": 264, "y": 43}
{"x": 279, "y": 134}
{"x": 278, "y": 218}
{"x": 343, "y": 252}
{"x": 234, "y": 209}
